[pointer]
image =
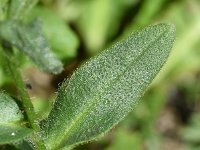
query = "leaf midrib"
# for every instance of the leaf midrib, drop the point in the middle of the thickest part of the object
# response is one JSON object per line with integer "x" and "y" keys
{"x": 89, "y": 105}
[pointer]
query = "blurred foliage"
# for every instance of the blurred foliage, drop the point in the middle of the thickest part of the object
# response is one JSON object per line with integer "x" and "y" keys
{"x": 126, "y": 140}
{"x": 63, "y": 40}
{"x": 168, "y": 116}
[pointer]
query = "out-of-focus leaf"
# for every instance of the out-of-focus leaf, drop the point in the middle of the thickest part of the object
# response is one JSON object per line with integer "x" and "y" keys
{"x": 70, "y": 10}
{"x": 1, "y": 71}
{"x": 30, "y": 40}
{"x": 3, "y": 8}
{"x": 100, "y": 20}
{"x": 126, "y": 141}
{"x": 4, "y": 78}
{"x": 190, "y": 133}
{"x": 10, "y": 120}
{"x": 94, "y": 23}
{"x": 103, "y": 91}
{"x": 20, "y": 8}
{"x": 62, "y": 39}
{"x": 185, "y": 57}
{"x": 146, "y": 14}
{"x": 1, "y": 76}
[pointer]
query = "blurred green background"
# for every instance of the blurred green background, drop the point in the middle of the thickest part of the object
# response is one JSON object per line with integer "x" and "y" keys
{"x": 168, "y": 116}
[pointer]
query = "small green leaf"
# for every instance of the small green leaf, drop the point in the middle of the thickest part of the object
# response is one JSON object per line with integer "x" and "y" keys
{"x": 9, "y": 110}
{"x": 104, "y": 90}
{"x": 11, "y": 125}
{"x": 11, "y": 133}
{"x": 30, "y": 40}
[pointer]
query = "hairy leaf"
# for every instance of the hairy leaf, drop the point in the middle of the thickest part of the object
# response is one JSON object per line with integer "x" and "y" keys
{"x": 11, "y": 125}
{"x": 30, "y": 40}
{"x": 106, "y": 88}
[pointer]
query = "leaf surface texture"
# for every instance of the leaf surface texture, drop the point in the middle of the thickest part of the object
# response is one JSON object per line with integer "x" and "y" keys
{"x": 106, "y": 88}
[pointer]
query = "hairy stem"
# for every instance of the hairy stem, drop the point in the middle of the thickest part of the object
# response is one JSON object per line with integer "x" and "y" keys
{"x": 24, "y": 97}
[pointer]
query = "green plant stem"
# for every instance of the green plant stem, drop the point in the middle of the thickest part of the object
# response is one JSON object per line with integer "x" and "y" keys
{"x": 24, "y": 97}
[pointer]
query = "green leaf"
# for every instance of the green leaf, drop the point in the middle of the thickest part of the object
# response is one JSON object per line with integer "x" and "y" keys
{"x": 105, "y": 89}
{"x": 9, "y": 110}
{"x": 30, "y": 40}
{"x": 11, "y": 128}
{"x": 11, "y": 133}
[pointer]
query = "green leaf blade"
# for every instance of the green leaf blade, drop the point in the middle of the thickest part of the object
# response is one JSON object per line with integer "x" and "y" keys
{"x": 12, "y": 133}
{"x": 9, "y": 111}
{"x": 11, "y": 121}
{"x": 104, "y": 90}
